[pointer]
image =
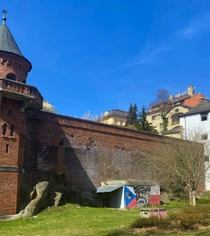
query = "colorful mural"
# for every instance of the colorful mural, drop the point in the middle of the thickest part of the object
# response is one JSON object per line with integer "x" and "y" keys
{"x": 129, "y": 197}
{"x": 142, "y": 195}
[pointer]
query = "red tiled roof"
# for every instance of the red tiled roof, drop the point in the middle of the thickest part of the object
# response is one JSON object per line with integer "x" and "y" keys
{"x": 193, "y": 101}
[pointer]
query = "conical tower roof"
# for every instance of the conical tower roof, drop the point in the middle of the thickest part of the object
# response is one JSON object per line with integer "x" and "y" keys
{"x": 7, "y": 42}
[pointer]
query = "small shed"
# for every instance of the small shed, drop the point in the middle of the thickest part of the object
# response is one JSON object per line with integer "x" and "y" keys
{"x": 129, "y": 194}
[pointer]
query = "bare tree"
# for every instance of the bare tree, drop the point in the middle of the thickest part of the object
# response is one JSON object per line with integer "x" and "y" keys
{"x": 163, "y": 103}
{"x": 88, "y": 116}
{"x": 180, "y": 161}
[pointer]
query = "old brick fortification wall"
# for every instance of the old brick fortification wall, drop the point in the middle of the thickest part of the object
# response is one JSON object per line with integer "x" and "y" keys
{"x": 11, "y": 158}
{"x": 81, "y": 154}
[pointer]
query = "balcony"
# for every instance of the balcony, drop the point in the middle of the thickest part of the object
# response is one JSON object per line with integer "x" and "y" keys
{"x": 23, "y": 92}
{"x": 175, "y": 122}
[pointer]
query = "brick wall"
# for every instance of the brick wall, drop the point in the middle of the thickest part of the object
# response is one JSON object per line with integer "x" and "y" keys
{"x": 10, "y": 116}
{"x": 11, "y": 63}
{"x": 12, "y": 153}
{"x": 85, "y": 153}
{"x": 9, "y": 192}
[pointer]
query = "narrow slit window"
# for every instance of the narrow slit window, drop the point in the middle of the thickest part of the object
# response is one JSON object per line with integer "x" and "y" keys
{"x": 7, "y": 148}
{"x": 22, "y": 140}
{"x": 4, "y": 129}
{"x": 11, "y": 130}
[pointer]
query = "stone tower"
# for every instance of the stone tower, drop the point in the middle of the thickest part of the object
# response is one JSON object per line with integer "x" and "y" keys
{"x": 16, "y": 99}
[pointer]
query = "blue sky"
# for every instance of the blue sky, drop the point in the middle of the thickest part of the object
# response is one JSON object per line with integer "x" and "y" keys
{"x": 99, "y": 55}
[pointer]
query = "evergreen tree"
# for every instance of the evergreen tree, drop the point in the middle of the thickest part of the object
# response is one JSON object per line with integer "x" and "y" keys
{"x": 129, "y": 117}
{"x": 142, "y": 123}
{"x": 135, "y": 110}
{"x": 132, "y": 114}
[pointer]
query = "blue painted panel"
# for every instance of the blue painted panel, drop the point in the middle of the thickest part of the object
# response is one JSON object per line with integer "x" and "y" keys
{"x": 128, "y": 196}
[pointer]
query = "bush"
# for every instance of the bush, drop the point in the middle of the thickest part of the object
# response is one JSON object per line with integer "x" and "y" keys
{"x": 146, "y": 222}
{"x": 185, "y": 219}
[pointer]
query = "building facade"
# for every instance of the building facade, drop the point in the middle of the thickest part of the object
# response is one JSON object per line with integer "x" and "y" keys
{"x": 15, "y": 98}
{"x": 196, "y": 126}
{"x": 174, "y": 107}
{"x": 114, "y": 117}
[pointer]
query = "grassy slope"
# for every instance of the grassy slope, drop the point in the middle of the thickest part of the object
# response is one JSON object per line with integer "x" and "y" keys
{"x": 80, "y": 221}
{"x": 70, "y": 220}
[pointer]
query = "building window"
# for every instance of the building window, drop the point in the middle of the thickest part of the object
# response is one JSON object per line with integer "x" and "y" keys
{"x": 206, "y": 158}
{"x": 4, "y": 129}
{"x": 161, "y": 126}
{"x": 11, "y": 76}
{"x": 155, "y": 108}
{"x": 204, "y": 136}
{"x": 11, "y": 133}
{"x": 156, "y": 117}
{"x": 175, "y": 120}
{"x": 204, "y": 117}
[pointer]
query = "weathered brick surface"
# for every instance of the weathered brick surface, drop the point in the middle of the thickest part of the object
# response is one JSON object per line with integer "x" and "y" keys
{"x": 9, "y": 192}
{"x": 11, "y": 63}
{"x": 85, "y": 152}
{"x": 10, "y": 115}
{"x": 13, "y": 156}
{"x": 74, "y": 153}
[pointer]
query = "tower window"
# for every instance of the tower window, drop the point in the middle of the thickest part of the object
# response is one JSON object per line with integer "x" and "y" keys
{"x": 11, "y": 76}
{"x": 11, "y": 133}
{"x": 4, "y": 129}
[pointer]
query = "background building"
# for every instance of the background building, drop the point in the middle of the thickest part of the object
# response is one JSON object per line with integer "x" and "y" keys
{"x": 196, "y": 126}
{"x": 175, "y": 106}
{"x": 114, "y": 117}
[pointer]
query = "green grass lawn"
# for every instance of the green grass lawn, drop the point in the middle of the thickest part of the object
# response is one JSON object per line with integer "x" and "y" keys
{"x": 74, "y": 220}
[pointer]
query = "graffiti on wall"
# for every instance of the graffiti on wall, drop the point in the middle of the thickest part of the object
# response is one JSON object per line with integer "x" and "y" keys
{"x": 142, "y": 195}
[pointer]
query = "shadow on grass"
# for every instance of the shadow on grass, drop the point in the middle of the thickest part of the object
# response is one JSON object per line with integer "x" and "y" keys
{"x": 128, "y": 232}
{"x": 204, "y": 233}
{"x": 119, "y": 233}
{"x": 145, "y": 233}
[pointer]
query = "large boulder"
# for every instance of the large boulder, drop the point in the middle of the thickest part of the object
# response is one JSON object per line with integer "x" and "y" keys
{"x": 42, "y": 196}
{"x": 39, "y": 197}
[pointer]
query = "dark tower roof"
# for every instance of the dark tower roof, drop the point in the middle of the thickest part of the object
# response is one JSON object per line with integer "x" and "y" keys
{"x": 7, "y": 42}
